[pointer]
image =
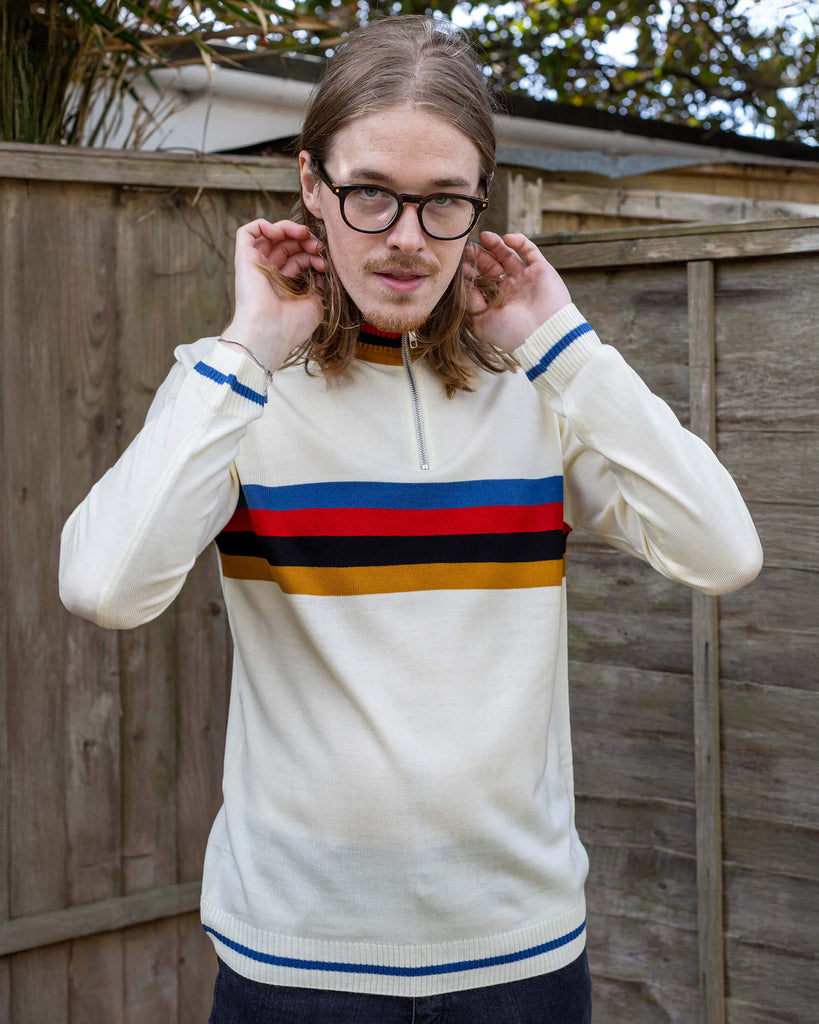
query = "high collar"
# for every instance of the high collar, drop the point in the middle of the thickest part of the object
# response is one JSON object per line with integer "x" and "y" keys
{"x": 384, "y": 347}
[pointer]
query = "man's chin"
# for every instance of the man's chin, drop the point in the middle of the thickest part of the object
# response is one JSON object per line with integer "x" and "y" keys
{"x": 395, "y": 321}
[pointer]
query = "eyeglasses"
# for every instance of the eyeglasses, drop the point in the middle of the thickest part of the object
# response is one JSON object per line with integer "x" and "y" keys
{"x": 372, "y": 208}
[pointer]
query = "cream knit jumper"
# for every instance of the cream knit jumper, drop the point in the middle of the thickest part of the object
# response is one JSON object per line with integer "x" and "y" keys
{"x": 398, "y": 811}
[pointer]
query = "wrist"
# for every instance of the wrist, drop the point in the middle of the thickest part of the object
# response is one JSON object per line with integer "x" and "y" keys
{"x": 239, "y": 347}
{"x": 256, "y": 339}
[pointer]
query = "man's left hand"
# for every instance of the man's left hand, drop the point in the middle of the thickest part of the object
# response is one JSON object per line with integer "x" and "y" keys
{"x": 529, "y": 289}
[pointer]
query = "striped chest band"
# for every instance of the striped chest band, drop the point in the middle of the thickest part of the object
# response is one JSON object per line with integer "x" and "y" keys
{"x": 346, "y": 538}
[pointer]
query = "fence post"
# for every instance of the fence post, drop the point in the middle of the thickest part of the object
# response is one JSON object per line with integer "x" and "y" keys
{"x": 705, "y": 660}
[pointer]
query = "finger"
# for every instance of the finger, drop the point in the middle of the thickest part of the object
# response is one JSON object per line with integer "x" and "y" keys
{"x": 524, "y": 247}
{"x": 262, "y": 235}
{"x": 483, "y": 260}
{"x": 302, "y": 261}
{"x": 508, "y": 258}
{"x": 290, "y": 247}
{"x": 274, "y": 230}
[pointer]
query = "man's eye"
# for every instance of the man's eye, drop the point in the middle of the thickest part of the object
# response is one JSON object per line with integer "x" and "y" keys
{"x": 443, "y": 201}
{"x": 370, "y": 193}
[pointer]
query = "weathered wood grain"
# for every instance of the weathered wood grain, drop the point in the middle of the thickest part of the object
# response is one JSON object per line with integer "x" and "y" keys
{"x": 768, "y": 368}
{"x": 635, "y": 821}
{"x": 772, "y": 465}
{"x": 150, "y": 954}
{"x": 770, "y": 739}
{"x": 32, "y": 931}
{"x": 90, "y": 667}
{"x": 705, "y": 670}
{"x": 772, "y": 909}
{"x": 156, "y": 170}
{"x": 789, "y": 535}
{"x": 769, "y": 631}
{"x": 32, "y": 315}
{"x": 601, "y": 577}
{"x": 609, "y": 596}
{"x": 655, "y": 963}
{"x": 39, "y": 986}
{"x": 664, "y": 205}
{"x": 646, "y": 1000}
{"x": 633, "y": 733}
{"x": 204, "y": 655}
{"x": 644, "y": 883}
{"x": 6, "y": 300}
{"x": 739, "y": 1012}
{"x": 635, "y": 246}
{"x": 164, "y": 262}
{"x": 772, "y": 846}
{"x": 197, "y": 969}
{"x": 767, "y": 977}
{"x": 631, "y": 640}
{"x": 642, "y": 312}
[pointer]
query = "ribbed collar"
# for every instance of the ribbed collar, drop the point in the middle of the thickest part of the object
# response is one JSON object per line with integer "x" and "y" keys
{"x": 384, "y": 347}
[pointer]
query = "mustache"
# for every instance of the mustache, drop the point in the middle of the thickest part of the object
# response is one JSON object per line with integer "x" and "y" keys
{"x": 400, "y": 261}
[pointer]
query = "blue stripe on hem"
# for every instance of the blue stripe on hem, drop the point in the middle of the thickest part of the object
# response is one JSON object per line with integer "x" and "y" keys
{"x": 222, "y": 378}
{"x": 556, "y": 349}
{"x": 402, "y": 972}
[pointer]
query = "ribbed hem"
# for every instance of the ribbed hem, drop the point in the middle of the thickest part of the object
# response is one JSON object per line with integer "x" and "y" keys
{"x": 553, "y": 354}
{"x": 392, "y": 969}
{"x": 231, "y": 380}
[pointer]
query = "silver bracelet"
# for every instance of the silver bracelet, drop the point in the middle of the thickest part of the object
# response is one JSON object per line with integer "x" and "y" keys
{"x": 268, "y": 373}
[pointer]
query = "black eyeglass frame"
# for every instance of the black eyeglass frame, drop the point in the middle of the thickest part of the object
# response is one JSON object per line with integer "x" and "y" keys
{"x": 342, "y": 191}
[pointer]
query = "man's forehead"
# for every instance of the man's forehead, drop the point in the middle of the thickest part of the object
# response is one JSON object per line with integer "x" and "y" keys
{"x": 406, "y": 148}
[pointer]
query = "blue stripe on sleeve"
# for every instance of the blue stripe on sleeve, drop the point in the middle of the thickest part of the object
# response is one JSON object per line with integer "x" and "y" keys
{"x": 232, "y": 381}
{"x": 394, "y": 970}
{"x": 556, "y": 349}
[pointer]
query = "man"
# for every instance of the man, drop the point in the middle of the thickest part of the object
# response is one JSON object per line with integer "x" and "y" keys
{"x": 397, "y": 838}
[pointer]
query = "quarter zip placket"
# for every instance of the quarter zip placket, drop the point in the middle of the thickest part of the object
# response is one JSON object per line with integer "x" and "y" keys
{"x": 420, "y": 437}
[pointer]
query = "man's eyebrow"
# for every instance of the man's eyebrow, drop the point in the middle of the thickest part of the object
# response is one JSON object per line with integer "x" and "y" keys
{"x": 357, "y": 174}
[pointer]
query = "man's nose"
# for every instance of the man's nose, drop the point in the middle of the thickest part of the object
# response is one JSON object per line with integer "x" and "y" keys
{"x": 406, "y": 233}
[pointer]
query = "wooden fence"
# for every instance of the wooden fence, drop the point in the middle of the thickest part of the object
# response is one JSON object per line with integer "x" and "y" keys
{"x": 702, "y": 815}
{"x": 111, "y": 743}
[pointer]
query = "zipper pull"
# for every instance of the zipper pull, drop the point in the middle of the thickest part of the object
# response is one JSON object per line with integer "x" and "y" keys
{"x": 413, "y": 341}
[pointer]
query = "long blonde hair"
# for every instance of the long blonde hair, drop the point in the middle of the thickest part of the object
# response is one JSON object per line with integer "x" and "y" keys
{"x": 420, "y": 62}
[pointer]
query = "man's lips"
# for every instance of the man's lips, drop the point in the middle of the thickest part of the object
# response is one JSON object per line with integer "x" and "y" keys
{"x": 401, "y": 280}
{"x": 401, "y": 273}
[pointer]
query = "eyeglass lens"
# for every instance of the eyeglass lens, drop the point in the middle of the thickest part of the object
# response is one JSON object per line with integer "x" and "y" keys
{"x": 374, "y": 209}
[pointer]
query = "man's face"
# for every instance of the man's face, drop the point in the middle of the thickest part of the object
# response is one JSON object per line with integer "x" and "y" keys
{"x": 395, "y": 277}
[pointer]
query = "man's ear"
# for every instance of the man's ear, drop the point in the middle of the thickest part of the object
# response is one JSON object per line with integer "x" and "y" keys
{"x": 309, "y": 184}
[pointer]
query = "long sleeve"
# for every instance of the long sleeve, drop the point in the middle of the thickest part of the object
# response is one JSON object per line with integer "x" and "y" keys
{"x": 127, "y": 548}
{"x": 633, "y": 475}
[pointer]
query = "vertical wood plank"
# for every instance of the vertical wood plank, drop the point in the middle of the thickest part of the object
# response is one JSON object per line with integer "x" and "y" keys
{"x": 204, "y": 671}
{"x": 705, "y": 644}
{"x": 6, "y": 188}
{"x": 36, "y": 296}
{"x": 91, "y": 682}
{"x": 524, "y": 211}
{"x": 147, "y": 276}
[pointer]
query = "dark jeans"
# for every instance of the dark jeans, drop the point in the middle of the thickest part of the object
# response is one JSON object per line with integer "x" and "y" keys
{"x": 562, "y": 997}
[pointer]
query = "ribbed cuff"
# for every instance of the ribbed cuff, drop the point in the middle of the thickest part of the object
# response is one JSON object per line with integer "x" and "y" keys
{"x": 553, "y": 354}
{"x": 231, "y": 380}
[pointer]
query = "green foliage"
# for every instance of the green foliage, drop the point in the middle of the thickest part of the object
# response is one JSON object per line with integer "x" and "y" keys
{"x": 713, "y": 63}
{"x": 64, "y": 67}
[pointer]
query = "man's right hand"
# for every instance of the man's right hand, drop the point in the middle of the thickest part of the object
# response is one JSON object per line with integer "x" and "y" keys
{"x": 267, "y": 320}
